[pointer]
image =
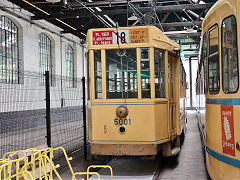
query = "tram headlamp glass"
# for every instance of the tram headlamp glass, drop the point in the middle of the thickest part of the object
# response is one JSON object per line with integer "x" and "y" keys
{"x": 122, "y": 111}
{"x": 122, "y": 129}
{"x": 238, "y": 146}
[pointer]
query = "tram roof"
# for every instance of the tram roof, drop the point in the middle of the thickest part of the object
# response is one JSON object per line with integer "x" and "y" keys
{"x": 219, "y": 5}
{"x": 154, "y": 36}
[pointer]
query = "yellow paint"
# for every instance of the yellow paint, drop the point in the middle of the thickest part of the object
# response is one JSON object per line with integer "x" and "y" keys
{"x": 139, "y": 74}
{"x": 152, "y": 73}
{"x": 103, "y": 74}
{"x": 150, "y": 119}
{"x": 217, "y": 169}
{"x": 156, "y": 39}
{"x": 138, "y": 36}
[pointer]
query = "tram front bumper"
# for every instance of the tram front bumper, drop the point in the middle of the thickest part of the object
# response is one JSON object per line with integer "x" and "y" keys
{"x": 124, "y": 149}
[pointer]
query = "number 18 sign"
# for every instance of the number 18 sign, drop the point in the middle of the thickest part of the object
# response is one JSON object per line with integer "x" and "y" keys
{"x": 120, "y": 36}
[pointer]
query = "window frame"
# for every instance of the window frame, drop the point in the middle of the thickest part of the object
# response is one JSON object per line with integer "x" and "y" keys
{"x": 232, "y": 15}
{"x": 42, "y": 79}
{"x": 164, "y": 71}
{"x": 124, "y": 70}
{"x": 69, "y": 78}
{"x": 205, "y": 70}
{"x": 141, "y": 78}
{"x": 95, "y": 70}
{"x": 5, "y": 54}
{"x": 208, "y": 44}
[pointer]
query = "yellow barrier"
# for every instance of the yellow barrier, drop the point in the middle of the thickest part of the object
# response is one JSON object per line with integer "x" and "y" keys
{"x": 100, "y": 166}
{"x": 38, "y": 164}
{"x": 85, "y": 173}
{"x": 6, "y": 170}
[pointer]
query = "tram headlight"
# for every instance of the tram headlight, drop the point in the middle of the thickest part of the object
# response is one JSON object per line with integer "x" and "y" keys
{"x": 122, "y": 111}
{"x": 238, "y": 146}
{"x": 122, "y": 129}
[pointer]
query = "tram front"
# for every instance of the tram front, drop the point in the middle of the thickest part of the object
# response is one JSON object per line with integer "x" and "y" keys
{"x": 128, "y": 104}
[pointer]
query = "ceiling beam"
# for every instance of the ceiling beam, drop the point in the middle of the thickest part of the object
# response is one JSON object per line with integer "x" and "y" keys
{"x": 115, "y": 2}
{"x": 174, "y": 24}
{"x": 184, "y": 35}
{"x": 178, "y": 24}
{"x": 160, "y": 9}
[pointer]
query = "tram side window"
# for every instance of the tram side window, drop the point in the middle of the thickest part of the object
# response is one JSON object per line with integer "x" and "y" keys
{"x": 121, "y": 73}
{"x": 98, "y": 74}
{"x": 159, "y": 66}
{"x": 213, "y": 61}
{"x": 145, "y": 73}
{"x": 229, "y": 55}
{"x": 204, "y": 61}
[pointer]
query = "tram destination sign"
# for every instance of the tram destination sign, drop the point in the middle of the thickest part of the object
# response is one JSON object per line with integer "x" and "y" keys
{"x": 128, "y": 36}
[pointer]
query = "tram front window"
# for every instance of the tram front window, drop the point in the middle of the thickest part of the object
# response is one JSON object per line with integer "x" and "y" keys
{"x": 121, "y": 73}
{"x": 159, "y": 67}
{"x": 98, "y": 74}
{"x": 145, "y": 73}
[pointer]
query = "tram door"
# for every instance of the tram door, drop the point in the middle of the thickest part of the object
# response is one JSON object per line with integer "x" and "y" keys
{"x": 172, "y": 89}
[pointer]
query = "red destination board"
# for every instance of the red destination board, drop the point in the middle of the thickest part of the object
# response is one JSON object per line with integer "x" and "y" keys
{"x": 102, "y": 37}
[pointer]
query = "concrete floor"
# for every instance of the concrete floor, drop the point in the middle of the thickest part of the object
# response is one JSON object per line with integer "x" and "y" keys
{"x": 130, "y": 169}
{"x": 189, "y": 165}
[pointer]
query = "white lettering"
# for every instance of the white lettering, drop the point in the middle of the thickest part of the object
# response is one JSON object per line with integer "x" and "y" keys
{"x": 226, "y": 113}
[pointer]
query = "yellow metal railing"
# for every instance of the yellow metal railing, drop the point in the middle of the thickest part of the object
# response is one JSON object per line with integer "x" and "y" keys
{"x": 38, "y": 164}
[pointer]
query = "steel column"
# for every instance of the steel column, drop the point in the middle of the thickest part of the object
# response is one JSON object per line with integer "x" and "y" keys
{"x": 84, "y": 119}
{"x": 48, "y": 112}
{"x": 190, "y": 77}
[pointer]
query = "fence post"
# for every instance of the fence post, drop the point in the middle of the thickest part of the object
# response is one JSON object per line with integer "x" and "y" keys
{"x": 48, "y": 116}
{"x": 84, "y": 118}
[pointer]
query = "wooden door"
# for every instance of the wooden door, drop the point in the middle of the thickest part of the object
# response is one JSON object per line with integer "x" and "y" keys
{"x": 172, "y": 89}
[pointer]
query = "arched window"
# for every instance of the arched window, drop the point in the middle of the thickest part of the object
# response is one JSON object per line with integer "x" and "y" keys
{"x": 9, "y": 58}
{"x": 69, "y": 65}
{"x": 45, "y": 57}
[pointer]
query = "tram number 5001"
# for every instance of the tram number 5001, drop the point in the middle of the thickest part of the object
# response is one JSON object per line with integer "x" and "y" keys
{"x": 122, "y": 122}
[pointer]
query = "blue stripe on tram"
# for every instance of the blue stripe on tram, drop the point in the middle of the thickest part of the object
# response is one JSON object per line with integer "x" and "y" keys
{"x": 223, "y": 158}
{"x": 234, "y": 101}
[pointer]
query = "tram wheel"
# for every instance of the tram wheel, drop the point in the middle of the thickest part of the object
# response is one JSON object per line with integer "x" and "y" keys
{"x": 182, "y": 137}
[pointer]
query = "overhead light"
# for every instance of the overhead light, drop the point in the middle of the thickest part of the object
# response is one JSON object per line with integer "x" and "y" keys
{"x": 132, "y": 18}
{"x": 53, "y": 1}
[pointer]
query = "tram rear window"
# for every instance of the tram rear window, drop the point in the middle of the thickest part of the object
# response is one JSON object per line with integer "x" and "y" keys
{"x": 121, "y": 73}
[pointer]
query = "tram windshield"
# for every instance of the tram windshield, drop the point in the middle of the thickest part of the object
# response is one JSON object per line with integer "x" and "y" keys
{"x": 122, "y": 77}
{"x": 121, "y": 73}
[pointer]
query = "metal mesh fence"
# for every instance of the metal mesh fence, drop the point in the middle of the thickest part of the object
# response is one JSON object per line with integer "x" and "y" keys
{"x": 66, "y": 115}
{"x": 23, "y": 112}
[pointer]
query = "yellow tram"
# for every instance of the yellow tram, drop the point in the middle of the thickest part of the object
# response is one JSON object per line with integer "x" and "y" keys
{"x": 218, "y": 90}
{"x": 137, "y": 90}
